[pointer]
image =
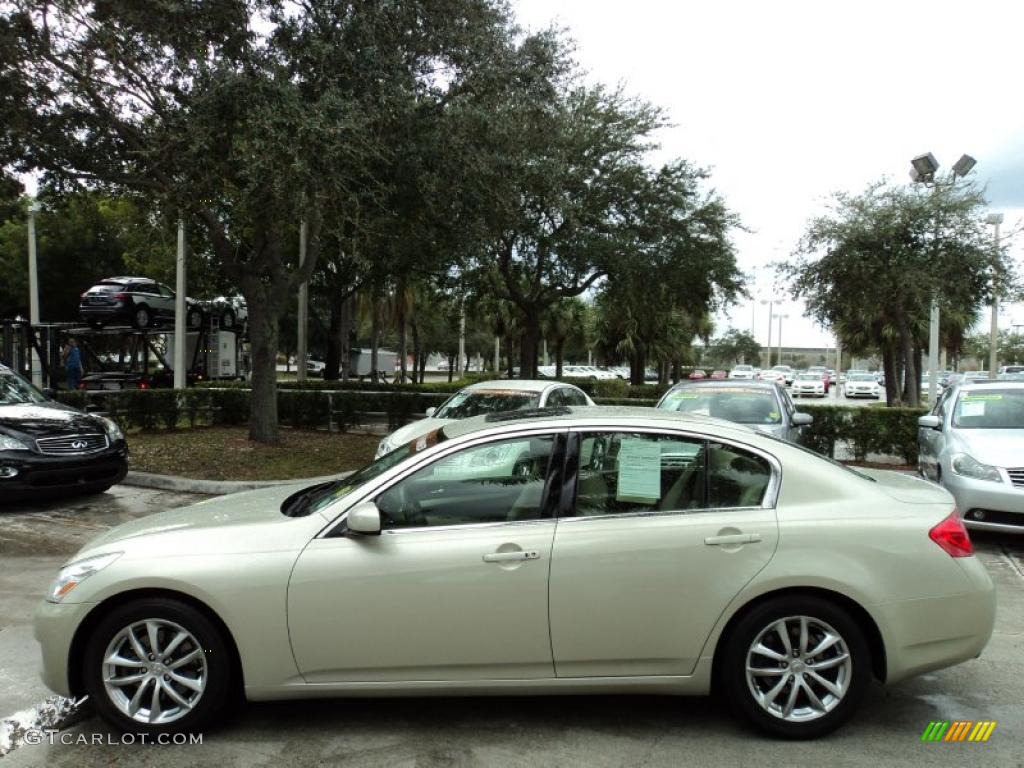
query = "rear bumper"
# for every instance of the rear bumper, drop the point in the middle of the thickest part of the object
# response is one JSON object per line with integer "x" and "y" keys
{"x": 104, "y": 314}
{"x": 938, "y": 632}
{"x": 44, "y": 475}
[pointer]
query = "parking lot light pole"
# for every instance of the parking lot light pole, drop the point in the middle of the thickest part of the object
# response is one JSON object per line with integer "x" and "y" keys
{"x": 180, "y": 339}
{"x": 301, "y": 349}
{"x": 780, "y": 318}
{"x": 768, "y": 348}
{"x": 923, "y": 170}
{"x": 995, "y": 219}
{"x": 33, "y": 290}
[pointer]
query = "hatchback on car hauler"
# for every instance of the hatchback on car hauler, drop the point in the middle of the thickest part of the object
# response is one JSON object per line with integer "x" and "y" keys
{"x": 570, "y": 550}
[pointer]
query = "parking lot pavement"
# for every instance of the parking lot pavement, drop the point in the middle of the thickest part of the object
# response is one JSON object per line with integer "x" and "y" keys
{"x": 593, "y": 731}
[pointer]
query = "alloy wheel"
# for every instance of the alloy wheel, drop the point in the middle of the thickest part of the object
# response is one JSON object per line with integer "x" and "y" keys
{"x": 154, "y": 671}
{"x": 798, "y": 668}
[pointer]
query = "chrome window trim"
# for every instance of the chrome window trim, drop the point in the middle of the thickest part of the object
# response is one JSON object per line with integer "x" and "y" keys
{"x": 660, "y": 513}
{"x": 771, "y": 493}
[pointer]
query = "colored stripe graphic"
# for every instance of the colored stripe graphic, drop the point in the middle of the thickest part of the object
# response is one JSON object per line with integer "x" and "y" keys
{"x": 958, "y": 730}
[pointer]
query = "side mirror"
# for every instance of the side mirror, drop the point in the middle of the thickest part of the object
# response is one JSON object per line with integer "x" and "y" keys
{"x": 430, "y": 411}
{"x": 930, "y": 422}
{"x": 49, "y": 394}
{"x": 802, "y": 419}
{"x": 364, "y": 519}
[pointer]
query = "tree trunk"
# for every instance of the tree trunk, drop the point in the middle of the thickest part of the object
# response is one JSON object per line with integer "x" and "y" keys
{"x": 638, "y": 366}
{"x": 918, "y": 354}
{"x": 374, "y": 337}
{"x": 416, "y": 351}
{"x": 677, "y": 372}
{"x": 530, "y": 343}
{"x": 910, "y": 369}
{"x": 891, "y": 376}
{"x": 263, "y": 341}
{"x": 559, "y": 348}
{"x": 332, "y": 361}
{"x": 451, "y": 367}
{"x": 403, "y": 335}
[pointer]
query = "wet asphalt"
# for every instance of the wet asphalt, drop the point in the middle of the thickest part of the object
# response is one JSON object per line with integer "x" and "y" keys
{"x": 592, "y": 731}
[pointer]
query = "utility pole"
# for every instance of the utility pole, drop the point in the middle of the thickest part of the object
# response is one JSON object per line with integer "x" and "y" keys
{"x": 768, "y": 362}
{"x": 995, "y": 219}
{"x": 180, "y": 337}
{"x": 301, "y": 350}
{"x": 33, "y": 292}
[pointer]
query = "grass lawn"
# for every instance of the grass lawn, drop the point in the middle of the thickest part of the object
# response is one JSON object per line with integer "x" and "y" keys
{"x": 225, "y": 453}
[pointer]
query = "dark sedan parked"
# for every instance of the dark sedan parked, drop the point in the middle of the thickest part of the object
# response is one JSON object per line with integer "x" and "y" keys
{"x": 137, "y": 301}
{"x": 47, "y": 448}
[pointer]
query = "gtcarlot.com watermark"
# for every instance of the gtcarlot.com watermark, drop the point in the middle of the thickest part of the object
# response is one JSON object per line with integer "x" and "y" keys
{"x": 53, "y": 736}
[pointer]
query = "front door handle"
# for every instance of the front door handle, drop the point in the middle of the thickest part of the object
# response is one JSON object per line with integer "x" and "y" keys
{"x": 732, "y": 538}
{"x": 507, "y": 557}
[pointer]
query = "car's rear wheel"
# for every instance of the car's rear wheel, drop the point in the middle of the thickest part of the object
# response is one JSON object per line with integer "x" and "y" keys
{"x": 141, "y": 317}
{"x": 796, "y": 667}
{"x": 157, "y": 665}
{"x": 227, "y": 319}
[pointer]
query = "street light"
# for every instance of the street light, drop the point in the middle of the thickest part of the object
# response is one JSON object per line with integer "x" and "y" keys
{"x": 768, "y": 363}
{"x": 780, "y": 318}
{"x": 995, "y": 219}
{"x": 923, "y": 170}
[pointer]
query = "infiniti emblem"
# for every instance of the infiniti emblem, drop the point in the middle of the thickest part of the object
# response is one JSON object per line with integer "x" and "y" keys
{"x": 79, "y": 444}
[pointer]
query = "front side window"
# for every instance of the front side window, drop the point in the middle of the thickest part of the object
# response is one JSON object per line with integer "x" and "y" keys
{"x": 495, "y": 482}
{"x": 14, "y": 390}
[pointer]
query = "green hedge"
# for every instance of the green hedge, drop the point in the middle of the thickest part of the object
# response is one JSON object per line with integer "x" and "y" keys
{"x": 887, "y": 431}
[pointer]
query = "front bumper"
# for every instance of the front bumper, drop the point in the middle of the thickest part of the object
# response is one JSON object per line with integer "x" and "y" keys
{"x": 986, "y": 505}
{"x": 54, "y": 626}
{"x": 38, "y": 474}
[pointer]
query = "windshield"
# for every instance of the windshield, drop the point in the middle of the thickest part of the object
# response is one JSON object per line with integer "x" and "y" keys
{"x": 742, "y": 405}
{"x": 464, "y": 404}
{"x": 990, "y": 409}
{"x": 14, "y": 390}
{"x": 862, "y": 377}
{"x": 809, "y": 377}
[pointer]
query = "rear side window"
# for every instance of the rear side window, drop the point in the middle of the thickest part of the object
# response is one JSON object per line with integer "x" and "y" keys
{"x": 628, "y": 472}
{"x": 573, "y": 397}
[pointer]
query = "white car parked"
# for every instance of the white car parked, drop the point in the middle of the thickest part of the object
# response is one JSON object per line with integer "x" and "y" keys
{"x": 808, "y": 384}
{"x": 742, "y": 372}
{"x": 862, "y": 385}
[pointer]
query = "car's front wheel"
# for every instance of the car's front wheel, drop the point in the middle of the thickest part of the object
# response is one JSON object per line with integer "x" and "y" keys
{"x": 157, "y": 665}
{"x": 796, "y": 667}
{"x": 142, "y": 318}
{"x": 194, "y": 318}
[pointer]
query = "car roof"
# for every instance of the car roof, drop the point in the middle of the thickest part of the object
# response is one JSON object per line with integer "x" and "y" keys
{"x": 597, "y": 415}
{"x": 515, "y": 385}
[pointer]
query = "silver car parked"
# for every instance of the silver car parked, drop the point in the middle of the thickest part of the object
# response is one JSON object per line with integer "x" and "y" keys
{"x": 763, "y": 405}
{"x": 972, "y": 443}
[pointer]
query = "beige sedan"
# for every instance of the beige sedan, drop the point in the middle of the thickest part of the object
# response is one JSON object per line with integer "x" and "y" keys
{"x": 566, "y": 551}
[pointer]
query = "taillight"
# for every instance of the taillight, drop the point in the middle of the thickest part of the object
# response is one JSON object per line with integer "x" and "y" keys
{"x": 143, "y": 384}
{"x": 121, "y": 296}
{"x": 951, "y": 535}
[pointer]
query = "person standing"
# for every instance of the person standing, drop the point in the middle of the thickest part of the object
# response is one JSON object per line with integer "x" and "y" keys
{"x": 73, "y": 364}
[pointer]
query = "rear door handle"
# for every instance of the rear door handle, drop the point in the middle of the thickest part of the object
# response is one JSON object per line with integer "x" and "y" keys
{"x": 732, "y": 538}
{"x": 507, "y": 557}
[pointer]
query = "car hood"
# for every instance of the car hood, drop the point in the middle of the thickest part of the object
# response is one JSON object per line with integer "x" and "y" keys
{"x": 999, "y": 447}
{"x": 47, "y": 419}
{"x": 238, "y": 523}
{"x": 907, "y": 488}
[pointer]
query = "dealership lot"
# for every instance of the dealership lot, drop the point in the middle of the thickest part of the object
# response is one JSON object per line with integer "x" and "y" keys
{"x": 592, "y": 731}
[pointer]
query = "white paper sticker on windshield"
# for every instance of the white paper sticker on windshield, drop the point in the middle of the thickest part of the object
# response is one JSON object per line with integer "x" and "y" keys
{"x": 639, "y": 471}
{"x": 972, "y": 408}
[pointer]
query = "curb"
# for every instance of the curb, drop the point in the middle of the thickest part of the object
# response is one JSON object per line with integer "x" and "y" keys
{"x": 217, "y": 487}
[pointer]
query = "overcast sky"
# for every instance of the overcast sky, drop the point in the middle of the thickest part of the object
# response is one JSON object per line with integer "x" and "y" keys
{"x": 789, "y": 101}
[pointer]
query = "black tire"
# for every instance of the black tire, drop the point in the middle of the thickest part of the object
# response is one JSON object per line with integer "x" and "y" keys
{"x": 227, "y": 319}
{"x": 219, "y": 682}
{"x": 142, "y": 317}
{"x": 739, "y": 692}
{"x": 194, "y": 318}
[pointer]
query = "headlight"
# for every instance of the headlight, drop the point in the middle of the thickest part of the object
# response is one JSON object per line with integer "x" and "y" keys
{"x": 73, "y": 574}
{"x": 8, "y": 443}
{"x": 384, "y": 447}
{"x": 113, "y": 431}
{"x": 968, "y": 466}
